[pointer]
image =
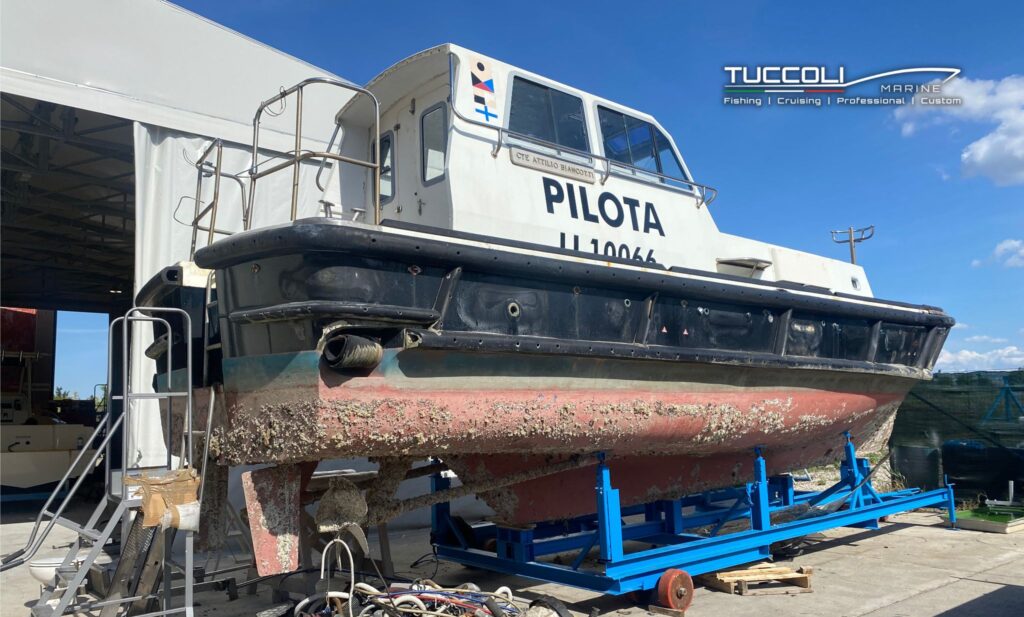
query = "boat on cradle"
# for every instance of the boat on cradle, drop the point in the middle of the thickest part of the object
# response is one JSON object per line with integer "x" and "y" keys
{"x": 526, "y": 276}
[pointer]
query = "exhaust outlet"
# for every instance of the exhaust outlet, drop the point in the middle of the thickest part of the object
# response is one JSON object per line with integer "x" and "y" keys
{"x": 346, "y": 351}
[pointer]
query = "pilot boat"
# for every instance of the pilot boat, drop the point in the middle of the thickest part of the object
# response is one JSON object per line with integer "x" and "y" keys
{"x": 514, "y": 278}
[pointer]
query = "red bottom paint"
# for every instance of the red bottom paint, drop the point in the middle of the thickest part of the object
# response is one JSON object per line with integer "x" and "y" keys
{"x": 686, "y": 429}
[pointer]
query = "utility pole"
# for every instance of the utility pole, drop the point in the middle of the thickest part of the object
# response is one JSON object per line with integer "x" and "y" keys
{"x": 852, "y": 236}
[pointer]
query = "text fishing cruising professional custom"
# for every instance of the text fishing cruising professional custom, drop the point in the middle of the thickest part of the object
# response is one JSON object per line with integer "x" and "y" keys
{"x": 530, "y": 276}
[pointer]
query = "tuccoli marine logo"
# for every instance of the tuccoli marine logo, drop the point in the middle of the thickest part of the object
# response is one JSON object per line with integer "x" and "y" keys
{"x": 819, "y": 86}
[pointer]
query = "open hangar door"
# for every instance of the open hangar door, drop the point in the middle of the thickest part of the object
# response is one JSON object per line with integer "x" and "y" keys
{"x": 68, "y": 218}
{"x": 67, "y": 242}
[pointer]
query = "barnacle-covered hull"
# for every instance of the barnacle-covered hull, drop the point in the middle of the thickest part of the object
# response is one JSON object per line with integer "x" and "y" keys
{"x": 667, "y": 430}
{"x": 500, "y": 358}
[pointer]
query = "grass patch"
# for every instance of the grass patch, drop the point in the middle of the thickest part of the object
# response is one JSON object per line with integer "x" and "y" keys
{"x": 994, "y": 514}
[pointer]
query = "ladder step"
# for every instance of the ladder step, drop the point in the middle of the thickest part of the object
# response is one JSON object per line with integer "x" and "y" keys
{"x": 153, "y": 472}
{"x": 75, "y": 527}
{"x": 67, "y": 573}
{"x": 150, "y": 395}
{"x": 42, "y": 610}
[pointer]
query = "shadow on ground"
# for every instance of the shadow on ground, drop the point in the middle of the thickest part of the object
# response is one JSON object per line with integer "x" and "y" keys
{"x": 1007, "y": 600}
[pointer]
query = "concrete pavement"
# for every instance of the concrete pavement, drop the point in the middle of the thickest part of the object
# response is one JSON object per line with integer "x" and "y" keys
{"x": 913, "y": 566}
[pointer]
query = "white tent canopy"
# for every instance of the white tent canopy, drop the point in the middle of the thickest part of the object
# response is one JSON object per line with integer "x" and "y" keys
{"x": 153, "y": 62}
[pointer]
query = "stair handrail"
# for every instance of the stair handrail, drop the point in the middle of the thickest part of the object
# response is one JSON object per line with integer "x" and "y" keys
{"x": 19, "y": 556}
{"x": 110, "y": 426}
{"x": 126, "y": 396}
{"x": 137, "y": 314}
{"x": 35, "y": 539}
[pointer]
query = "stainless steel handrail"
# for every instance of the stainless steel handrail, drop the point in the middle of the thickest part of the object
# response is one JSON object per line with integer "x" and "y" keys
{"x": 323, "y": 163}
{"x": 205, "y": 168}
{"x": 138, "y": 314}
{"x": 294, "y": 159}
{"x": 217, "y": 145}
{"x": 207, "y": 301}
{"x": 702, "y": 194}
{"x": 127, "y": 396}
{"x": 298, "y": 155}
{"x": 108, "y": 475}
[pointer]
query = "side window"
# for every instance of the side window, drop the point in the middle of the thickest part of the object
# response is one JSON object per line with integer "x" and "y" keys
{"x": 547, "y": 114}
{"x": 666, "y": 157}
{"x": 434, "y": 143}
{"x": 613, "y": 131}
{"x": 387, "y": 167}
{"x": 641, "y": 144}
{"x": 638, "y": 143}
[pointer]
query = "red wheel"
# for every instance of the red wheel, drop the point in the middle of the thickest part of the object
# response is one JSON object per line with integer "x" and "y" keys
{"x": 675, "y": 590}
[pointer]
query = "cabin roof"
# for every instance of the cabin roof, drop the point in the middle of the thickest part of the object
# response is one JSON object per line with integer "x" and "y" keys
{"x": 428, "y": 64}
{"x": 409, "y": 74}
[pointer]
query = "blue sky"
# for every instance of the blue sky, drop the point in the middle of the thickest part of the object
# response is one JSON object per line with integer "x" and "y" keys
{"x": 944, "y": 189}
{"x": 81, "y": 355}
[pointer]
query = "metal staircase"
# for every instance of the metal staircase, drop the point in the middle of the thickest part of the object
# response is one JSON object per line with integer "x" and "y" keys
{"x": 144, "y": 558}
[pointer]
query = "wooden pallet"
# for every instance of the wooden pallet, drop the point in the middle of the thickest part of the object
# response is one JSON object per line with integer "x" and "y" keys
{"x": 760, "y": 580}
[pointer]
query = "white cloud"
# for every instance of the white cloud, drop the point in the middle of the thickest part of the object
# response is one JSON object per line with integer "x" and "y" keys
{"x": 961, "y": 326}
{"x": 1010, "y": 357}
{"x": 984, "y": 338}
{"x": 1009, "y": 253}
{"x": 999, "y": 155}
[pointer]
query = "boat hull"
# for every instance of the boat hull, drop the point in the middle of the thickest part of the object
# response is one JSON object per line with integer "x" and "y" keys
{"x": 668, "y": 428}
{"x": 505, "y": 359}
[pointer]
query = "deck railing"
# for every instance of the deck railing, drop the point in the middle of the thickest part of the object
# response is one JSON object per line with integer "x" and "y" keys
{"x": 298, "y": 155}
{"x": 292, "y": 159}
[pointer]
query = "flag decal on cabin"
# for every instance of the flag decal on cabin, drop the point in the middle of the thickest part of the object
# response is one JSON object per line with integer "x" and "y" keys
{"x": 483, "y": 90}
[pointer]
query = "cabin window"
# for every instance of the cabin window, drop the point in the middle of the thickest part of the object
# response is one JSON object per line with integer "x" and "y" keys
{"x": 547, "y": 114}
{"x": 434, "y": 143}
{"x": 387, "y": 167}
{"x": 638, "y": 143}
